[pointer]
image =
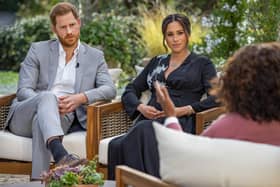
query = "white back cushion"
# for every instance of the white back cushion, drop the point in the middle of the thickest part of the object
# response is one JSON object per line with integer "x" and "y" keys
{"x": 138, "y": 69}
{"x": 103, "y": 149}
{"x": 194, "y": 161}
{"x": 146, "y": 95}
{"x": 115, "y": 74}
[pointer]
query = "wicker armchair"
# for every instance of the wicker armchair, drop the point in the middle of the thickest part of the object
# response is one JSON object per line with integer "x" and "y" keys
{"x": 18, "y": 166}
{"x": 110, "y": 119}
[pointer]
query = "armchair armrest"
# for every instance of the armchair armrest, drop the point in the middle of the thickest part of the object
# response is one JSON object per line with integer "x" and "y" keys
{"x": 203, "y": 119}
{"x": 128, "y": 176}
{"x": 5, "y": 102}
{"x": 105, "y": 120}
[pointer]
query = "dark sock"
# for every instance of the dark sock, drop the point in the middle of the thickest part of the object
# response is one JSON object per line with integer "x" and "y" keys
{"x": 57, "y": 149}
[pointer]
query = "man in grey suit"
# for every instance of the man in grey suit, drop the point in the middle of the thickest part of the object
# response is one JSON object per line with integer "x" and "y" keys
{"x": 56, "y": 81}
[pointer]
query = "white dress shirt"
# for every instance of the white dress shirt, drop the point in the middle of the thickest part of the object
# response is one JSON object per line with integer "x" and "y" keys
{"x": 64, "y": 83}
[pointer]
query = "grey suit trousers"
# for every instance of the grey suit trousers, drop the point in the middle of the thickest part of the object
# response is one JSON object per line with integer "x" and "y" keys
{"x": 38, "y": 117}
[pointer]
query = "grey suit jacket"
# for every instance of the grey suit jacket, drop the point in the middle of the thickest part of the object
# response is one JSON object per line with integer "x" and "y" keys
{"x": 38, "y": 71}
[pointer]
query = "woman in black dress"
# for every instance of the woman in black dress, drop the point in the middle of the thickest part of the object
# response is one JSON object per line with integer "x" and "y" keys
{"x": 186, "y": 76}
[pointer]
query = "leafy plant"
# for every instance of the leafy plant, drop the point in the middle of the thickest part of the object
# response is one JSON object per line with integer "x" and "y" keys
{"x": 70, "y": 176}
{"x": 225, "y": 31}
{"x": 264, "y": 21}
{"x": 118, "y": 38}
{"x": 150, "y": 28}
{"x": 17, "y": 40}
{"x": 235, "y": 23}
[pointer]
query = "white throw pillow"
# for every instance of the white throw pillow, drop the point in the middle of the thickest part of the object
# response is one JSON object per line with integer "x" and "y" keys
{"x": 146, "y": 95}
{"x": 194, "y": 161}
{"x": 138, "y": 69}
{"x": 115, "y": 74}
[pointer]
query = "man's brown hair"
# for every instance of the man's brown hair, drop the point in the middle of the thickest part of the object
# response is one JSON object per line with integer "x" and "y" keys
{"x": 61, "y": 9}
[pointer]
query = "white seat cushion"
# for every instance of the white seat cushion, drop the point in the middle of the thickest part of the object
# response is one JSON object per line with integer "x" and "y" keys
{"x": 76, "y": 143}
{"x": 103, "y": 150}
{"x": 15, "y": 147}
{"x": 195, "y": 161}
{"x": 20, "y": 148}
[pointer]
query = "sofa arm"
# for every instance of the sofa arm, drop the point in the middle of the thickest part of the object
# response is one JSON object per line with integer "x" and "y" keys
{"x": 5, "y": 102}
{"x": 203, "y": 119}
{"x": 105, "y": 120}
{"x": 129, "y": 176}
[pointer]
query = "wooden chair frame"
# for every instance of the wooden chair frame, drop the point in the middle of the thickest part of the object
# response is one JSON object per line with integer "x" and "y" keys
{"x": 21, "y": 167}
{"x": 128, "y": 176}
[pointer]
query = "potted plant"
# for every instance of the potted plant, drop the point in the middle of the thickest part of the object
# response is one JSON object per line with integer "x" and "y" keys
{"x": 79, "y": 176}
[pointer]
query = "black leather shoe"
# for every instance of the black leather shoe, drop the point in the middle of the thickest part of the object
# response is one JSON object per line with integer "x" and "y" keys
{"x": 71, "y": 160}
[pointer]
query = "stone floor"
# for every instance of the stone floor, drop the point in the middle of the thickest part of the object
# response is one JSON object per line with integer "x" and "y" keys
{"x": 13, "y": 179}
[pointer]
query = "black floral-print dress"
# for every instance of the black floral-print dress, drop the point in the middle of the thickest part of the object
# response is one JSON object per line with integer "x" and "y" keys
{"x": 186, "y": 85}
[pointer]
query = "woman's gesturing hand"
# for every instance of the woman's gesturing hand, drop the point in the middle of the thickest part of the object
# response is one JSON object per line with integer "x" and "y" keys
{"x": 167, "y": 105}
{"x": 164, "y": 100}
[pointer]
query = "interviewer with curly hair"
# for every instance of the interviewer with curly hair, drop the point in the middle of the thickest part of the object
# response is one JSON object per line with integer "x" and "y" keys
{"x": 250, "y": 90}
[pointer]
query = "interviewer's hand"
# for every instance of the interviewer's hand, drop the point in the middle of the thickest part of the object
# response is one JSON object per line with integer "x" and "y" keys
{"x": 164, "y": 100}
{"x": 167, "y": 104}
{"x": 68, "y": 103}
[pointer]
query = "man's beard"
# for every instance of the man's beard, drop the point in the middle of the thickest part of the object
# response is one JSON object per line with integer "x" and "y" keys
{"x": 65, "y": 41}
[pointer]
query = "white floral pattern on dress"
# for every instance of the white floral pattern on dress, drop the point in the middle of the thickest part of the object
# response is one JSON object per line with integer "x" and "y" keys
{"x": 158, "y": 70}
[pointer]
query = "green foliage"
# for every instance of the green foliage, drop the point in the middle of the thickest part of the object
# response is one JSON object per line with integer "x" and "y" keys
{"x": 118, "y": 38}
{"x": 126, "y": 39}
{"x": 71, "y": 176}
{"x": 234, "y": 24}
{"x": 29, "y": 8}
{"x": 17, "y": 40}
{"x": 69, "y": 179}
{"x": 225, "y": 36}
{"x": 54, "y": 184}
{"x": 264, "y": 20}
{"x": 11, "y": 5}
{"x": 89, "y": 174}
{"x": 150, "y": 28}
{"x": 115, "y": 34}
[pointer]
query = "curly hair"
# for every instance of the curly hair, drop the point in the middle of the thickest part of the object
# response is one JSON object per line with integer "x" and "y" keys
{"x": 250, "y": 83}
